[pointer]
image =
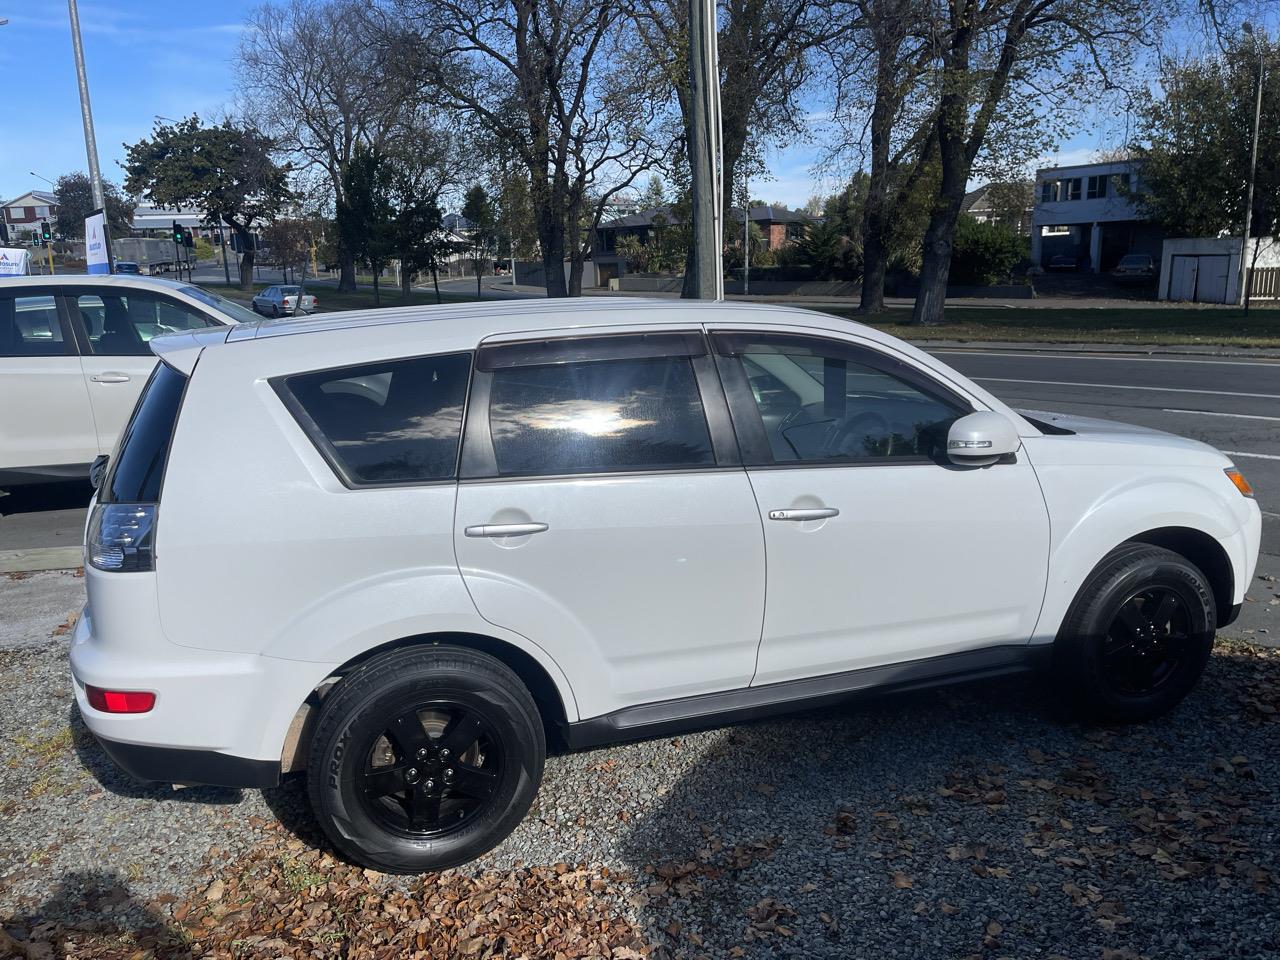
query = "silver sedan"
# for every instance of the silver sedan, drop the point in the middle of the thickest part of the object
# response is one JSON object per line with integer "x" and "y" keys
{"x": 279, "y": 301}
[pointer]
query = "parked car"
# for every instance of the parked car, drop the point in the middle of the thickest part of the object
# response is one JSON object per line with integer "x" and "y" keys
{"x": 1134, "y": 268}
{"x": 127, "y": 266}
{"x": 74, "y": 357}
{"x": 1063, "y": 262}
{"x": 454, "y": 527}
{"x": 279, "y": 301}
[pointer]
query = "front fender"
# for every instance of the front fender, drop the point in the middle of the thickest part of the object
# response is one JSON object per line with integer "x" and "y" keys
{"x": 1087, "y": 526}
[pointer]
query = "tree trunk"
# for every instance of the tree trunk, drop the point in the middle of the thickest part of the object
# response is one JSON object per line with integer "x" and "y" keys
{"x": 346, "y": 273}
{"x": 551, "y": 233}
{"x": 377, "y": 293}
{"x": 406, "y": 282}
{"x": 435, "y": 279}
{"x": 874, "y": 222}
{"x": 575, "y": 274}
{"x": 475, "y": 264}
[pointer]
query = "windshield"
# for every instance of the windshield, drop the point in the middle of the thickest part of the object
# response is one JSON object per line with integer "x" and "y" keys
{"x": 1136, "y": 260}
{"x": 237, "y": 313}
{"x": 288, "y": 291}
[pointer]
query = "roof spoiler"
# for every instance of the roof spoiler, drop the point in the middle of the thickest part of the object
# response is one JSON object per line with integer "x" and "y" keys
{"x": 181, "y": 350}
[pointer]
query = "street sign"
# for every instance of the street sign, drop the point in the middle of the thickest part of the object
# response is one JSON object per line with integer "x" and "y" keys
{"x": 97, "y": 257}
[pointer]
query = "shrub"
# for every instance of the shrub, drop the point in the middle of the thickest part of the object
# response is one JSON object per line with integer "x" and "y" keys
{"x": 984, "y": 253}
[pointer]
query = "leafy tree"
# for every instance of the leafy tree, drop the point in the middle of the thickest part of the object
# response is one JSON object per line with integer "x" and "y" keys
{"x": 289, "y": 240}
{"x": 985, "y": 253}
{"x": 1194, "y": 141}
{"x": 226, "y": 171}
{"x": 75, "y": 202}
{"x": 365, "y": 212}
{"x": 479, "y": 212}
{"x": 824, "y": 249}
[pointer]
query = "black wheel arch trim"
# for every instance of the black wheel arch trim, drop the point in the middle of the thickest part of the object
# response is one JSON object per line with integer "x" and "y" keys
{"x": 191, "y": 767}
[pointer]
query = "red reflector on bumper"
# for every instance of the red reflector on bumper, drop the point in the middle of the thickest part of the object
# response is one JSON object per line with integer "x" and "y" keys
{"x": 119, "y": 701}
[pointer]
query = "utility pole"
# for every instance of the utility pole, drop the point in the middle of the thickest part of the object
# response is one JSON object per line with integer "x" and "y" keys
{"x": 86, "y": 112}
{"x": 746, "y": 234}
{"x": 1253, "y": 170}
{"x": 704, "y": 152}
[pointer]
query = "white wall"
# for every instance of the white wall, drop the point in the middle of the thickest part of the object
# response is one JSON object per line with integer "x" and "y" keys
{"x": 1268, "y": 256}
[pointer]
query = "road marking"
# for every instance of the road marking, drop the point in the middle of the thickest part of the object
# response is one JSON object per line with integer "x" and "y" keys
{"x": 1256, "y": 456}
{"x": 1120, "y": 386}
{"x": 1213, "y": 413}
{"x": 1083, "y": 356}
{"x": 1268, "y": 513}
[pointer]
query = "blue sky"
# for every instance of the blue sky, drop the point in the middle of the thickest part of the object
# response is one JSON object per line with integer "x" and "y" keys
{"x": 147, "y": 59}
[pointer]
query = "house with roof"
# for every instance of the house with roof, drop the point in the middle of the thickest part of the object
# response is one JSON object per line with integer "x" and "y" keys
{"x": 1088, "y": 213}
{"x": 23, "y": 214}
{"x": 1009, "y": 205}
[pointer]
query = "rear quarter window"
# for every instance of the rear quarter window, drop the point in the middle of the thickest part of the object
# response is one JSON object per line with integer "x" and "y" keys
{"x": 390, "y": 422}
{"x": 137, "y": 470}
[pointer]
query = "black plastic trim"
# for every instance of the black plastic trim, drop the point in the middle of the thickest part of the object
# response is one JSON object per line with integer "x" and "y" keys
{"x": 570, "y": 348}
{"x": 191, "y": 767}
{"x": 669, "y": 717}
{"x": 21, "y": 476}
{"x": 1230, "y": 616}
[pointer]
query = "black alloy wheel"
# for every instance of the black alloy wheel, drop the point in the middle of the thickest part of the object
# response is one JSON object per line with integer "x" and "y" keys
{"x": 1148, "y": 638}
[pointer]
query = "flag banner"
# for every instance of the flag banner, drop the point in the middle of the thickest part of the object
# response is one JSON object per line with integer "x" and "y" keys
{"x": 13, "y": 262}
{"x": 95, "y": 243}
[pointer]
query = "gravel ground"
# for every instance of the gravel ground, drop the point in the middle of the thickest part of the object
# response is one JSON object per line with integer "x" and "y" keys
{"x": 975, "y": 821}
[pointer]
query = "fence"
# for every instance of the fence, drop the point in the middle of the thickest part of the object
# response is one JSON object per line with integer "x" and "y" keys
{"x": 1264, "y": 283}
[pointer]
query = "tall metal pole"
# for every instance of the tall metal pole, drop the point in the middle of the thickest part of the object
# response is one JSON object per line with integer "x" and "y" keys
{"x": 746, "y": 235}
{"x": 704, "y": 152}
{"x": 1253, "y": 170}
{"x": 86, "y": 112}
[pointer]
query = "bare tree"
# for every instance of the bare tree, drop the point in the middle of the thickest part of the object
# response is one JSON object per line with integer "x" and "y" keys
{"x": 312, "y": 75}
{"x": 540, "y": 78}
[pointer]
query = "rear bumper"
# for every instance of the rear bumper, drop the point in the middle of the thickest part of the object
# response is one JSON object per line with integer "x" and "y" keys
{"x": 191, "y": 767}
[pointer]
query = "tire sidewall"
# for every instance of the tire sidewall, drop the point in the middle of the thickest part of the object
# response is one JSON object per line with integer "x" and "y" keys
{"x": 1103, "y": 601}
{"x": 340, "y": 753}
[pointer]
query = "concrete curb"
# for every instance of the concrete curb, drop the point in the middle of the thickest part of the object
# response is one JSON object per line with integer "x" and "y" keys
{"x": 41, "y": 558}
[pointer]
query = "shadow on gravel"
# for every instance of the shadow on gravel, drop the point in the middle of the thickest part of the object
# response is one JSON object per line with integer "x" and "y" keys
{"x": 972, "y": 822}
{"x": 114, "y": 780}
{"x": 90, "y": 915}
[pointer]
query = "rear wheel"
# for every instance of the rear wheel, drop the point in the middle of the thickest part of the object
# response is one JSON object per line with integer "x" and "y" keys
{"x": 1138, "y": 636}
{"x": 424, "y": 759}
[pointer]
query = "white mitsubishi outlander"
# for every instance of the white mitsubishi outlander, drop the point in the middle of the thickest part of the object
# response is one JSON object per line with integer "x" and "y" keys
{"x": 395, "y": 548}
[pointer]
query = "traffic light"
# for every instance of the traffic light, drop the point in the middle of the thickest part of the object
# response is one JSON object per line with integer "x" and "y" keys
{"x": 188, "y": 239}
{"x": 177, "y": 233}
{"x": 46, "y": 234}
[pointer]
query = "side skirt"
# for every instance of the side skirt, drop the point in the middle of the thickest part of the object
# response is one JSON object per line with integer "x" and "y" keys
{"x": 686, "y": 714}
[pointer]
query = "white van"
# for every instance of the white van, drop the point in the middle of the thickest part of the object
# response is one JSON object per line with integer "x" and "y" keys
{"x": 396, "y": 548}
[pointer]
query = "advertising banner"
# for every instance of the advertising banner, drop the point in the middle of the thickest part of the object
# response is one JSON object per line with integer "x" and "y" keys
{"x": 13, "y": 262}
{"x": 96, "y": 257}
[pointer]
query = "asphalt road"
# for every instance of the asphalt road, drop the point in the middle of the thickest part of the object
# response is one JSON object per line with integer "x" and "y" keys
{"x": 1231, "y": 403}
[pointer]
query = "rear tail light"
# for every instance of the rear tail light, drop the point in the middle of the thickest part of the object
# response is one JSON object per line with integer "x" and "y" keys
{"x": 119, "y": 701}
{"x": 122, "y": 536}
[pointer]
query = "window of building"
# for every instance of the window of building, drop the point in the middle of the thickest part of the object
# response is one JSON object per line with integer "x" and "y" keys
{"x": 1072, "y": 188}
{"x": 1097, "y": 188}
{"x": 395, "y": 421}
{"x": 1124, "y": 183}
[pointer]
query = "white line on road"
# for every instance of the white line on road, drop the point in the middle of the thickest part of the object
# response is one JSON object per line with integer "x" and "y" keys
{"x": 1214, "y": 413}
{"x": 1084, "y": 356}
{"x": 1256, "y": 456}
{"x": 1123, "y": 386}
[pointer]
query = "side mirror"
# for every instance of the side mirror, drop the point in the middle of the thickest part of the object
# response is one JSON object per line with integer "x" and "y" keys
{"x": 980, "y": 439}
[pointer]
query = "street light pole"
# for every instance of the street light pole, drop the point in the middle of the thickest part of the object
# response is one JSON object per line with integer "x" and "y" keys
{"x": 86, "y": 112}
{"x": 704, "y": 153}
{"x": 1253, "y": 171}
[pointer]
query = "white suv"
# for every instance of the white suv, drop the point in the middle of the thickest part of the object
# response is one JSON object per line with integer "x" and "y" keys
{"x": 74, "y": 357}
{"x": 451, "y": 530}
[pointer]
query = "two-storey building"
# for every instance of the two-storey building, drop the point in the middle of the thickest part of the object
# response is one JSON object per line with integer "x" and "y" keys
{"x": 1087, "y": 212}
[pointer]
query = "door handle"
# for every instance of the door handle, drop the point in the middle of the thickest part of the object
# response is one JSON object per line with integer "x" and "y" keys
{"x": 110, "y": 377}
{"x": 806, "y": 513}
{"x": 505, "y": 529}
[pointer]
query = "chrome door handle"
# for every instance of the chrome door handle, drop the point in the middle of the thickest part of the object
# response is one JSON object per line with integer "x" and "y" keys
{"x": 505, "y": 529}
{"x": 110, "y": 378}
{"x": 807, "y": 513}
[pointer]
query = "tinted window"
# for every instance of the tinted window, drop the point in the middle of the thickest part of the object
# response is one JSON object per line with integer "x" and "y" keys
{"x": 598, "y": 416}
{"x": 29, "y": 327}
{"x": 389, "y": 422}
{"x": 232, "y": 310}
{"x": 136, "y": 470}
{"x": 121, "y": 325}
{"x": 817, "y": 401}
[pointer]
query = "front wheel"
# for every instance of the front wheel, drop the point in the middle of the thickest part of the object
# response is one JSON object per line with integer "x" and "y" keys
{"x": 425, "y": 758}
{"x": 1138, "y": 636}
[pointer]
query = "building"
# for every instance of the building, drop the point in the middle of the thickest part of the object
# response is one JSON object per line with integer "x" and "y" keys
{"x": 1087, "y": 212}
{"x": 1207, "y": 269}
{"x": 150, "y": 220}
{"x": 23, "y": 214}
{"x": 1009, "y": 205}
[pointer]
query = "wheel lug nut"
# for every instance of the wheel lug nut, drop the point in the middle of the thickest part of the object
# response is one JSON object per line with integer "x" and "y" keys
{"x": 411, "y": 775}
{"x": 444, "y": 753}
{"x": 422, "y": 753}
{"x": 430, "y": 784}
{"x": 448, "y": 774}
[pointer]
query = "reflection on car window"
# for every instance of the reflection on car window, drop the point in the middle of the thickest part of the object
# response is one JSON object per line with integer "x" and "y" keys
{"x": 29, "y": 327}
{"x": 231, "y": 310}
{"x": 121, "y": 325}
{"x": 598, "y": 416}
{"x": 388, "y": 422}
{"x": 829, "y": 407}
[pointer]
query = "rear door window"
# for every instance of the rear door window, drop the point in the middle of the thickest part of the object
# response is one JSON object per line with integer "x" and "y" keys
{"x": 29, "y": 326}
{"x": 121, "y": 325}
{"x": 394, "y": 421}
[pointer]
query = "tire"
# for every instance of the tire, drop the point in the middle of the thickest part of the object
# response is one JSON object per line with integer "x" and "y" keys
{"x": 275, "y": 311}
{"x": 1137, "y": 637}
{"x": 387, "y": 795}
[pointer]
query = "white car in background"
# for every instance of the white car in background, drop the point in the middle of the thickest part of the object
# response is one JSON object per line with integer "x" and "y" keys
{"x": 455, "y": 527}
{"x": 74, "y": 356}
{"x": 279, "y": 301}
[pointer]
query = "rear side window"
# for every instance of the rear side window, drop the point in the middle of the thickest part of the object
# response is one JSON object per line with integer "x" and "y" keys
{"x": 121, "y": 325}
{"x": 598, "y": 416}
{"x": 29, "y": 327}
{"x": 395, "y": 421}
{"x": 135, "y": 472}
